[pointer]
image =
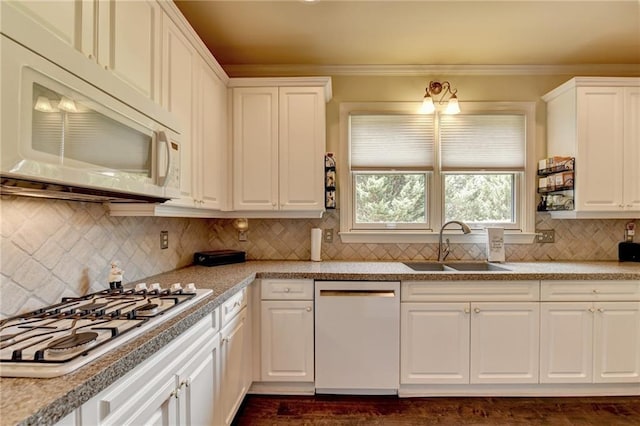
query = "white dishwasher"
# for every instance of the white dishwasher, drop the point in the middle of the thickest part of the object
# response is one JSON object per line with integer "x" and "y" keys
{"x": 357, "y": 348}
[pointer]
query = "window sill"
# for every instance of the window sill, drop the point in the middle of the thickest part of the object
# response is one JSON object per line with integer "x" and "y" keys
{"x": 422, "y": 237}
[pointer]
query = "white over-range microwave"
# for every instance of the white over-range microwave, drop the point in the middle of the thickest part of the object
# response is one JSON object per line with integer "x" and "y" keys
{"x": 63, "y": 137}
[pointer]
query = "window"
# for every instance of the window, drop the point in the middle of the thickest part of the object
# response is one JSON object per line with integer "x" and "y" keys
{"x": 409, "y": 173}
{"x": 391, "y": 156}
{"x": 482, "y": 161}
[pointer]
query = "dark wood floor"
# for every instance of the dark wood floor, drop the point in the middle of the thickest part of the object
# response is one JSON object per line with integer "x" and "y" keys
{"x": 260, "y": 410}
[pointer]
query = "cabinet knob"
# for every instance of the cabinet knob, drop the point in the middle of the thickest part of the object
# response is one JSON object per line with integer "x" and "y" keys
{"x": 600, "y": 310}
{"x": 595, "y": 291}
{"x": 467, "y": 310}
{"x": 308, "y": 309}
{"x": 273, "y": 204}
{"x": 621, "y": 205}
{"x": 476, "y": 310}
{"x": 287, "y": 290}
{"x": 629, "y": 205}
{"x": 591, "y": 310}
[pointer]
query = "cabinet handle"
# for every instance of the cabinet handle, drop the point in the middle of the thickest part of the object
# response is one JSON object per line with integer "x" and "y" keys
{"x": 476, "y": 310}
{"x": 308, "y": 309}
{"x": 225, "y": 340}
{"x": 621, "y": 205}
{"x": 174, "y": 394}
{"x": 629, "y": 205}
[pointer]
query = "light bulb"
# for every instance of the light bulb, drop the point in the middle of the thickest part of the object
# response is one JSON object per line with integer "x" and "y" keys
{"x": 43, "y": 104}
{"x": 452, "y": 106}
{"x": 427, "y": 105}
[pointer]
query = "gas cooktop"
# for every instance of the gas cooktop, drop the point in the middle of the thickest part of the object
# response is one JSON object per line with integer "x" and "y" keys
{"x": 58, "y": 339}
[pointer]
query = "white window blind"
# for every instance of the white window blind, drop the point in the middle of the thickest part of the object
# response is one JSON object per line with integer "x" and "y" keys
{"x": 399, "y": 142}
{"x": 482, "y": 142}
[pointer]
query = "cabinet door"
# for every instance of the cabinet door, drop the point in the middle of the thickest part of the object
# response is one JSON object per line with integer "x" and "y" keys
{"x": 255, "y": 148}
{"x": 65, "y": 19}
{"x": 177, "y": 96}
{"x": 434, "y": 343}
{"x": 198, "y": 387}
{"x": 159, "y": 409}
{"x": 504, "y": 342}
{"x": 566, "y": 342}
{"x": 233, "y": 352}
{"x": 287, "y": 341}
{"x": 301, "y": 148}
{"x": 632, "y": 148}
{"x": 599, "y": 175}
{"x": 128, "y": 42}
{"x": 617, "y": 342}
{"x": 210, "y": 157}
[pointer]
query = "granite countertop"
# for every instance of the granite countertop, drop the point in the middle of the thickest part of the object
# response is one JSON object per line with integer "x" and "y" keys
{"x": 45, "y": 401}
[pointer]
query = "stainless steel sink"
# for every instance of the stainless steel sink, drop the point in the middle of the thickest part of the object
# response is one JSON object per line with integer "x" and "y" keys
{"x": 427, "y": 266}
{"x": 455, "y": 266}
{"x": 475, "y": 266}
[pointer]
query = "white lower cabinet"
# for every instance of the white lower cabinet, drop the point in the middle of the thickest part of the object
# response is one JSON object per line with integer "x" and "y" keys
{"x": 462, "y": 343}
{"x": 177, "y": 386}
{"x": 235, "y": 362}
{"x": 287, "y": 338}
{"x": 590, "y": 332}
{"x": 504, "y": 342}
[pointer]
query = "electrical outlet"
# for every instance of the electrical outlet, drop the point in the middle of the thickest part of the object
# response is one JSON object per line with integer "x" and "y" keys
{"x": 328, "y": 235}
{"x": 164, "y": 240}
{"x": 546, "y": 235}
{"x": 242, "y": 236}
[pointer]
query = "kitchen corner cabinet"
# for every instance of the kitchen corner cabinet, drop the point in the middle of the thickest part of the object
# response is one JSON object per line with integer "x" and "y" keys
{"x": 590, "y": 332}
{"x": 192, "y": 91}
{"x": 120, "y": 36}
{"x": 597, "y": 121}
{"x": 447, "y": 339}
{"x": 279, "y": 144}
{"x": 176, "y": 386}
{"x": 287, "y": 334}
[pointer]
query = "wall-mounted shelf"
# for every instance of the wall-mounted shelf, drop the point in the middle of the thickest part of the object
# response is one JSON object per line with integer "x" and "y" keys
{"x": 556, "y": 183}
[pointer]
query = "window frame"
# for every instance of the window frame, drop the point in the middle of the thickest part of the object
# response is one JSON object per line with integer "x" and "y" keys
{"x": 525, "y": 181}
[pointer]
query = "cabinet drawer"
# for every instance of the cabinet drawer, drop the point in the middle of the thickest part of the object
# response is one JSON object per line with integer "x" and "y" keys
{"x": 287, "y": 289}
{"x": 461, "y": 291}
{"x": 590, "y": 290}
{"x": 232, "y": 306}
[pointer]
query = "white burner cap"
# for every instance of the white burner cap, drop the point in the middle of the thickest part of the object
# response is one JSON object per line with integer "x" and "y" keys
{"x": 141, "y": 286}
{"x": 190, "y": 288}
{"x": 155, "y": 286}
{"x": 176, "y": 287}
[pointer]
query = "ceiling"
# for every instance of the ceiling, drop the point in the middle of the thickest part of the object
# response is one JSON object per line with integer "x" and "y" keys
{"x": 342, "y": 33}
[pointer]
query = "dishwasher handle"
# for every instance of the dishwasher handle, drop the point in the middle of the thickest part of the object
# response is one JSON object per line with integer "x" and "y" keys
{"x": 358, "y": 293}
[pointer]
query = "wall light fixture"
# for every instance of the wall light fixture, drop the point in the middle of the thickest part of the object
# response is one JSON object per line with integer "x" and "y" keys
{"x": 448, "y": 96}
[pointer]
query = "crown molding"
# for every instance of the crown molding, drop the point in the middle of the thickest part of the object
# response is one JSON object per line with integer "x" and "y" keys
{"x": 420, "y": 70}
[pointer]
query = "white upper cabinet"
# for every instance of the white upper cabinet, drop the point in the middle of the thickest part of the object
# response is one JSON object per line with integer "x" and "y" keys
{"x": 127, "y": 42}
{"x": 597, "y": 120}
{"x": 178, "y": 71}
{"x": 279, "y": 141}
{"x": 123, "y": 37}
{"x": 211, "y": 143}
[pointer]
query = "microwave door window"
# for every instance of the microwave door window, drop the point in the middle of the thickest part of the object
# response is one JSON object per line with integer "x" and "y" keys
{"x": 71, "y": 132}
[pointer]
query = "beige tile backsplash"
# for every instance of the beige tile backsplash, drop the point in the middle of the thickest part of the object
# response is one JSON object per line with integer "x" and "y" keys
{"x": 51, "y": 249}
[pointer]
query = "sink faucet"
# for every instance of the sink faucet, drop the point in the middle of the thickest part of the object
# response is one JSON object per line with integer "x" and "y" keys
{"x": 443, "y": 252}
